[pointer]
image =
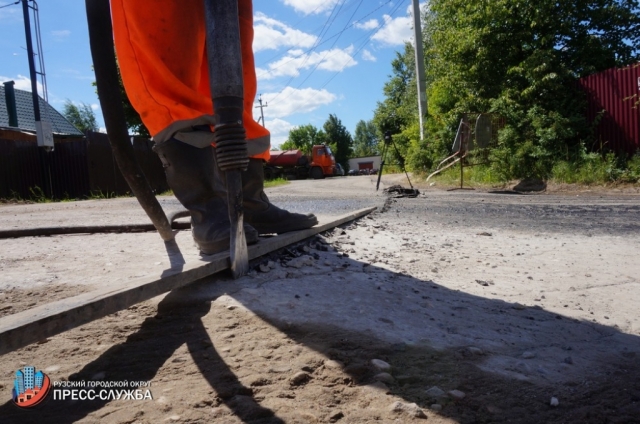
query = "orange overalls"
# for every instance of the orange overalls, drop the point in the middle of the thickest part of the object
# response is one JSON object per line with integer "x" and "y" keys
{"x": 161, "y": 52}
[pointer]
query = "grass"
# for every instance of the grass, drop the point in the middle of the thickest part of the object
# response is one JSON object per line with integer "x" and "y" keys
{"x": 275, "y": 182}
{"x": 100, "y": 195}
{"x": 597, "y": 170}
{"x": 474, "y": 176}
{"x": 37, "y": 195}
{"x": 593, "y": 169}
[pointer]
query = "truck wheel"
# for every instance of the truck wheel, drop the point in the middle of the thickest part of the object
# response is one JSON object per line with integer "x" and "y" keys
{"x": 269, "y": 174}
{"x": 316, "y": 173}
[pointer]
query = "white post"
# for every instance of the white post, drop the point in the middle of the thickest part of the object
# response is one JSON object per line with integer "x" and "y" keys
{"x": 420, "y": 73}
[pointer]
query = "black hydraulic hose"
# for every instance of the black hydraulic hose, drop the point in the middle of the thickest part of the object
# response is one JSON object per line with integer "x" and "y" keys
{"x": 104, "y": 63}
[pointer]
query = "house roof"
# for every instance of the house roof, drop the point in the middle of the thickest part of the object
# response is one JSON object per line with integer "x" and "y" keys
{"x": 26, "y": 119}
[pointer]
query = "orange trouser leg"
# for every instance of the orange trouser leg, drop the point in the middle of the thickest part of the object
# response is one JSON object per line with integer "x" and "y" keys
{"x": 163, "y": 61}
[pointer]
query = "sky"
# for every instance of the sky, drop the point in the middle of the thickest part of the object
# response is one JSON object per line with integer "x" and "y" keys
{"x": 313, "y": 57}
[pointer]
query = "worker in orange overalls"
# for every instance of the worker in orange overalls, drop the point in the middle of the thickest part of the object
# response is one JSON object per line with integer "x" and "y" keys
{"x": 163, "y": 61}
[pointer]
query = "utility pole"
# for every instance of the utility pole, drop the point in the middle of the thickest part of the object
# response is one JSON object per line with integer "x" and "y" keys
{"x": 420, "y": 74}
{"x": 261, "y": 106}
{"x": 44, "y": 132}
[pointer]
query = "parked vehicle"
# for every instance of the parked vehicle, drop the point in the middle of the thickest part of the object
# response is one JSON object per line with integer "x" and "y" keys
{"x": 365, "y": 171}
{"x": 339, "y": 170}
{"x": 293, "y": 164}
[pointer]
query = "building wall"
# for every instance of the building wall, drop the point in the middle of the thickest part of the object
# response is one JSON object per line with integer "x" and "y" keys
{"x": 615, "y": 91}
{"x": 355, "y": 162}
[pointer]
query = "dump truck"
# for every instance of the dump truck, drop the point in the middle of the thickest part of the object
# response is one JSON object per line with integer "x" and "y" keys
{"x": 293, "y": 164}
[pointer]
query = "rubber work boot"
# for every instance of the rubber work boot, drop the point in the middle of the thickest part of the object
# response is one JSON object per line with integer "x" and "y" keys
{"x": 262, "y": 214}
{"x": 191, "y": 174}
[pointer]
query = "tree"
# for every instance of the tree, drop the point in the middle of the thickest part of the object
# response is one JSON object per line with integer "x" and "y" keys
{"x": 398, "y": 112}
{"x": 521, "y": 59}
{"x": 400, "y": 107}
{"x": 365, "y": 142}
{"x": 304, "y": 138}
{"x": 339, "y": 140}
{"x": 131, "y": 116}
{"x": 82, "y": 117}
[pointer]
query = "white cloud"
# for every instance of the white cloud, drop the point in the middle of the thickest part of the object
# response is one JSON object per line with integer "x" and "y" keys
{"x": 334, "y": 60}
{"x": 396, "y": 31}
{"x": 22, "y": 83}
{"x": 370, "y": 24}
{"x": 61, "y": 34}
{"x": 76, "y": 74}
{"x": 294, "y": 100}
{"x": 279, "y": 129}
{"x": 273, "y": 34}
{"x": 311, "y": 6}
{"x": 11, "y": 14}
{"x": 366, "y": 55}
{"x": 95, "y": 106}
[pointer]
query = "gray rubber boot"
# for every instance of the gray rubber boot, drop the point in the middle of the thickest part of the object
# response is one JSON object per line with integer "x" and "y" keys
{"x": 260, "y": 213}
{"x": 191, "y": 174}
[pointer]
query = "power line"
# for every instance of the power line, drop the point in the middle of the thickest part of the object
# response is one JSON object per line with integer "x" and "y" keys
{"x": 312, "y": 47}
{"x": 277, "y": 55}
{"x": 10, "y": 4}
{"x": 368, "y": 39}
{"x": 329, "y": 38}
{"x": 336, "y": 36}
{"x": 327, "y": 51}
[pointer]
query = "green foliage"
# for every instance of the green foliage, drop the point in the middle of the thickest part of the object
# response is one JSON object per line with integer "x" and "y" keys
{"x": 82, "y": 117}
{"x": 521, "y": 60}
{"x": 593, "y": 168}
{"x": 304, "y": 138}
{"x": 585, "y": 169}
{"x": 134, "y": 122}
{"x": 365, "y": 141}
{"x": 399, "y": 109}
{"x": 101, "y": 195}
{"x": 631, "y": 172}
{"x": 339, "y": 139}
{"x": 38, "y": 196}
{"x": 132, "y": 118}
{"x": 275, "y": 182}
{"x": 474, "y": 176}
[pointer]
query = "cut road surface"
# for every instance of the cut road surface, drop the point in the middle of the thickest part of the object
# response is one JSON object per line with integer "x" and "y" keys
{"x": 462, "y": 306}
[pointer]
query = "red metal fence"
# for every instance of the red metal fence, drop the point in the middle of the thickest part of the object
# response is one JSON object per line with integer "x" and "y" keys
{"x": 614, "y": 99}
{"x": 79, "y": 167}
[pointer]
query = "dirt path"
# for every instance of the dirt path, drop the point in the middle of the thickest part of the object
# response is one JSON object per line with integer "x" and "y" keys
{"x": 457, "y": 306}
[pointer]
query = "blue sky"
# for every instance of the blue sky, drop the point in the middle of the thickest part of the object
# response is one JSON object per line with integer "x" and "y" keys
{"x": 313, "y": 57}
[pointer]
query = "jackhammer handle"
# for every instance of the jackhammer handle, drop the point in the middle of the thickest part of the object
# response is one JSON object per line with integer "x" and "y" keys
{"x": 227, "y": 94}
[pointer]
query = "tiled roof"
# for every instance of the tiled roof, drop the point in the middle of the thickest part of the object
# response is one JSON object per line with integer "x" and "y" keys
{"x": 26, "y": 120}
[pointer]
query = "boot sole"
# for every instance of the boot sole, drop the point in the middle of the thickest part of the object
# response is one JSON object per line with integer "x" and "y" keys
{"x": 211, "y": 248}
{"x": 284, "y": 227}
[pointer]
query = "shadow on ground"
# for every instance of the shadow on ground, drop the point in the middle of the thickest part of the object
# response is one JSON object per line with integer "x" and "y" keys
{"x": 606, "y": 391}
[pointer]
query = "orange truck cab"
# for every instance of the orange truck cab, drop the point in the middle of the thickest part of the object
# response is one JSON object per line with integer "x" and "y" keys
{"x": 323, "y": 163}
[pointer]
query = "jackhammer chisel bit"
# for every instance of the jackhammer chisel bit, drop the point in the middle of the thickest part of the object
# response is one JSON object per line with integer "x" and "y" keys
{"x": 227, "y": 93}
